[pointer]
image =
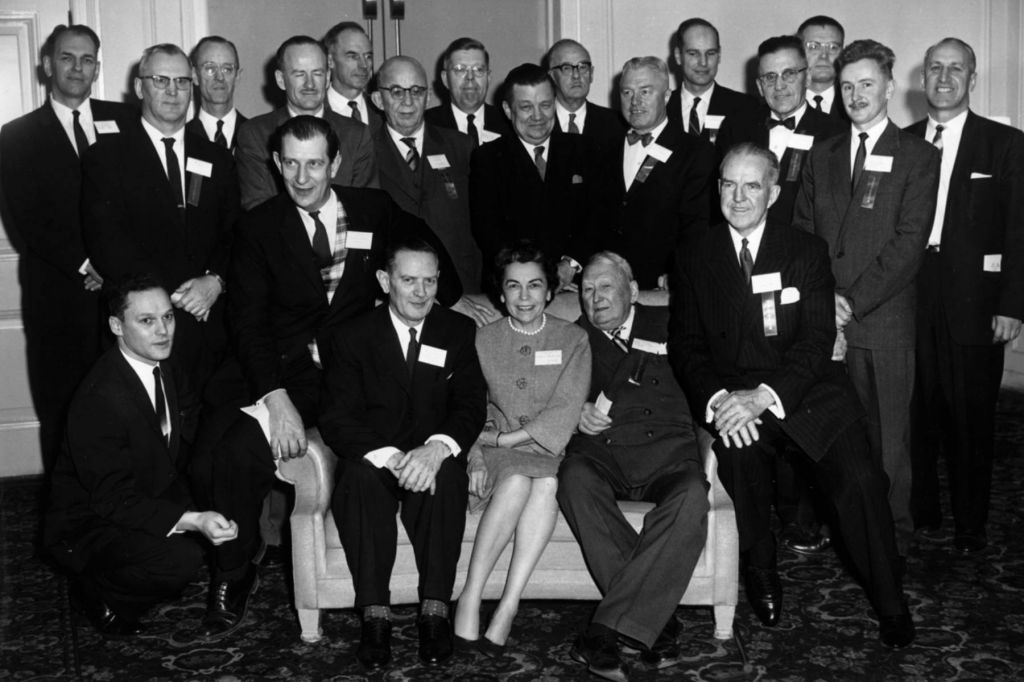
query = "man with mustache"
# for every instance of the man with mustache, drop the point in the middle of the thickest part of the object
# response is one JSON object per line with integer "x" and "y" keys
{"x": 466, "y": 76}
{"x": 350, "y": 56}
{"x": 215, "y": 63}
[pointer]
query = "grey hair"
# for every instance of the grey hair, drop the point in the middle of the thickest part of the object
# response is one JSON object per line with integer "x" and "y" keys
{"x": 161, "y": 48}
{"x": 615, "y": 259}
{"x": 654, "y": 63}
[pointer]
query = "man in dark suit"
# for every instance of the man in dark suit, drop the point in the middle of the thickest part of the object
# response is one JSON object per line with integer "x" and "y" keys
{"x": 657, "y": 183}
{"x": 699, "y": 104}
{"x": 119, "y": 506}
{"x": 535, "y": 183}
{"x": 40, "y": 174}
{"x": 769, "y": 382}
{"x": 872, "y": 199}
{"x": 466, "y": 75}
{"x": 162, "y": 200}
{"x": 405, "y": 399}
{"x": 636, "y": 442}
{"x": 302, "y": 74}
{"x": 215, "y": 64}
{"x": 823, "y": 39}
{"x": 971, "y": 294}
{"x": 294, "y": 281}
{"x": 350, "y": 56}
{"x": 572, "y": 72}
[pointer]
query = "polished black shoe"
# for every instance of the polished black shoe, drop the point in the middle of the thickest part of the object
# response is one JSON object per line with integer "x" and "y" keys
{"x": 666, "y": 651}
{"x": 435, "y": 639}
{"x": 598, "y": 649}
{"x": 805, "y": 542}
{"x": 764, "y": 592}
{"x": 229, "y": 602}
{"x": 969, "y": 544}
{"x": 103, "y": 618}
{"x": 896, "y": 631}
{"x": 375, "y": 643}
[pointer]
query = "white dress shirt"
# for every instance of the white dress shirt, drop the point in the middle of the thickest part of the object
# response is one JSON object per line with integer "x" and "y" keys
{"x": 67, "y": 121}
{"x": 462, "y": 121}
{"x": 634, "y": 154}
{"x": 952, "y": 132}
{"x": 686, "y": 101}
{"x": 144, "y": 370}
{"x": 828, "y": 98}
{"x": 563, "y": 116}
{"x": 530, "y": 147}
{"x": 403, "y": 147}
{"x": 340, "y": 104}
{"x": 874, "y": 132}
{"x": 209, "y": 123}
{"x": 779, "y": 136}
{"x": 156, "y": 137}
{"x": 292, "y": 113}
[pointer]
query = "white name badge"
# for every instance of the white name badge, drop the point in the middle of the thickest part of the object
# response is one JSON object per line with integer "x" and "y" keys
{"x": 650, "y": 346}
{"x": 993, "y": 262}
{"x": 878, "y": 164}
{"x": 800, "y": 141}
{"x": 354, "y": 239}
{"x": 656, "y": 151}
{"x": 106, "y": 127}
{"x": 432, "y": 355}
{"x": 771, "y": 281}
{"x": 438, "y": 161}
{"x": 488, "y": 136}
{"x": 547, "y": 357}
{"x": 713, "y": 121}
{"x": 199, "y": 167}
{"x": 789, "y": 295}
{"x": 602, "y": 403}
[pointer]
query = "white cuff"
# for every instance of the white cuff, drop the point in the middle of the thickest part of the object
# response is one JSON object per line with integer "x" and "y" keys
{"x": 380, "y": 456}
{"x": 83, "y": 269}
{"x": 447, "y": 440}
{"x": 776, "y": 408}
{"x": 709, "y": 412}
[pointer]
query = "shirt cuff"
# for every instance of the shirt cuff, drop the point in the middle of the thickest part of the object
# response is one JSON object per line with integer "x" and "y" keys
{"x": 447, "y": 440}
{"x": 776, "y": 408}
{"x": 709, "y": 412}
{"x": 380, "y": 456}
{"x": 264, "y": 397}
{"x": 83, "y": 269}
{"x": 174, "y": 529}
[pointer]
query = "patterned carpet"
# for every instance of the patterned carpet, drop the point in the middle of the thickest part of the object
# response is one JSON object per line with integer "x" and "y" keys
{"x": 969, "y": 611}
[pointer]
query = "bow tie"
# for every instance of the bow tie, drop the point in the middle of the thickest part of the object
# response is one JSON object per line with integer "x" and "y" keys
{"x": 787, "y": 122}
{"x": 644, "y": 138}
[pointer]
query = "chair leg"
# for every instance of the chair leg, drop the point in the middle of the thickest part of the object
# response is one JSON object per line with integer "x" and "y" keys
{"x": 723, "y": 621}
{"x": 309, "y": 621}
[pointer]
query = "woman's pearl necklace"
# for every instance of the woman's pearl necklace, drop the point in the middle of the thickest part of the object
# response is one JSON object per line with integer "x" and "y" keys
{"x": 543, "y": 322}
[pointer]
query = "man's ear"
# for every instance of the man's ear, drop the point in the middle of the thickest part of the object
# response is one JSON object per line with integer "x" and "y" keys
{"x": 377, "y": 100}
{"x": 634, "y": 292}
{"x": 384, "y": 281}
{"x": 279, "y": 79}
{"x": 138, "y": 88}
{"x": 444, "y": 79}
{"x": 48, "y": 66}
{"x": 507, "y": 109}
{"x": 115, "y": 326}
{"x": 773, "y": 195}
{"x": 336, "y": 164}
{"x": 277, "y": 163}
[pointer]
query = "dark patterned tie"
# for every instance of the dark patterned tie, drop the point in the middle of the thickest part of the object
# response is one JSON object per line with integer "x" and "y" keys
{"x": 858, "y": 160}
{"x": 356, "y": 116}
{"x": 412, "y": 353}
{"x": 937, "y": 140}
{"x": 218, "y": 137}
{"x": 694, "y": 118}
{"x": 161, "y": 406}
{"x": 573, "y": 128}
{"x": 174, "y": 172}
{"x": 81, "y": 141}
{"x": 412, "y": 157}
{"x": 471, "y": 130}
{"x": 538, "y": 160}
{"x": 817, "y": 102}
{"x": 619, "y": 340}
{"x": 321, "y": 247}
{"x": 746, "y": 260}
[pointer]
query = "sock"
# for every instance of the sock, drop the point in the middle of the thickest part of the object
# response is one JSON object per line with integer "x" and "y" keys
{"x": 376, "y": 611}
{"x": 434, "y": 607}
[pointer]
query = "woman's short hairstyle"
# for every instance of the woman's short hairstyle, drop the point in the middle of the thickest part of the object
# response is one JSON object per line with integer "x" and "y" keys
{"x": 524, "y": 251}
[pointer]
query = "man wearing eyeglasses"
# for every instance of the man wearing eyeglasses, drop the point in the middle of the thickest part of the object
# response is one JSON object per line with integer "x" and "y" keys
{"x": 466, "y": 76}
{"x": 350, "y": 56}
{"x": 215, "y": 63}
{"x": 572, "y": 72}
{"x": 823, "y": 41}
{"x": 159, "y": 199}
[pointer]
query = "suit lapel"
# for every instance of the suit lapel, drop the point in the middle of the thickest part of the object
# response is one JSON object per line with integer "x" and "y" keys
{"x": 839, "y": 174}
{"x": 53, "y": 130}
{"x": 392, "y": 166}
{"x": 138, "y": 395}
{"x": 725, "y": 267}
{"x": 293, "y": 232}
{"x": 173, "y": 413}
{"x": 389, "y": 350}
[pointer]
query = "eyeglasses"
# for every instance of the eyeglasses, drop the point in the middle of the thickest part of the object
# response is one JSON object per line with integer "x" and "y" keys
{"x": 210, "y": 69}
{"x": 815, "y": 46}
{"x": 582, "y": 68}
{"x": 161, "y": 82}
{"x": 788, "y": 76}
{"x": 462, "y": 70}
{"x": 398, "y": 92}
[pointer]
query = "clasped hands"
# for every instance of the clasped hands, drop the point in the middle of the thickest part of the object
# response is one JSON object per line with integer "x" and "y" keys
{"x": 737, "y": 414}
{"x": 416, "y": 470}
{"x": 197, "y": 295}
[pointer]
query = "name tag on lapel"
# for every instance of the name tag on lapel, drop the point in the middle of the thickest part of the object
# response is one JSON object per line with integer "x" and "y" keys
{"x": 878, "y": 164}
{"x": 199, "y": 167}
{"x": 800, "y": 141}
{"x": 438, "y": 161}
{"x": 771, "y": 281}
{"x": 980, "y": 176}
{"x": 714, "y": 121}
{"x": 488, "y": 136}
{"x": 547, "y": 357}
{"x": 432, "y": 355}
{"x": 354, "y": 239}
{"x": 106, "y": 127}
{"x": 656, "y": 151}
{"x": 992, "y": 262}
{"x": 650, "y": 346}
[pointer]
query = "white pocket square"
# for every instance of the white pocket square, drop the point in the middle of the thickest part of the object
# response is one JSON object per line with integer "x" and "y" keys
{"x": 789, "y": 295}
{"x": 980, "y": 176}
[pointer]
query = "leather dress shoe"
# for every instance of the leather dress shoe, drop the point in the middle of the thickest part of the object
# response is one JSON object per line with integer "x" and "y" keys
{"x": 435, "y": 639}
{"x": 666, "y": 651}
{"x": 102, "y": 617}
{"x": 969, "y": 544}
{"x": 896, "y": 631}
{"x": 375, "y": 643}
{"x": 764, "y": 592}
{"x": 805, "y": 542}
{"x": 598, "y": 649}
{"x": 229, "y": 602}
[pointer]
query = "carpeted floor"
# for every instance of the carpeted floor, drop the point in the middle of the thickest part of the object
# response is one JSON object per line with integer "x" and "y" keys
{"x": 969, "y": 611}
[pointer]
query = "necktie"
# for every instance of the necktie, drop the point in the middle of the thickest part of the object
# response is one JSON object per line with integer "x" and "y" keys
{"x": 817, "y": 102}
{"x": 218, "y": 137}
{"x": 412, "y": 157}
{"x": 321, "y": 247}
{"x": 174, "y": 172}
{"x": 412, "y": 353}
{"x": 573, "y": 128}
{"x": 81, "y": 141}
{"x": 619, "y": 340}
{"x": 356, "y": 116}
{"x": 633, "y": 137}
{"x": 746, "y": 260}
{"x": 161, "y": 407}
{"x": 858, "y": 160}
{"x": 937, "y": 140}
{"x": 538, "y": 160}
{"x": 694, "y": 118}
{"x": 471, "y": 129}
{"x": 785, "y": 123}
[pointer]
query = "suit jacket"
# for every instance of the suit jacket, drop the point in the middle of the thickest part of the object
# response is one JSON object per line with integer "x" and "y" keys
{"x": 494, "y": 118}
{"x": 604, "y": 127}
{"x": 652, "y": 432}
{"x": 717, "y": 338}
{"x": 277, "y": 304}
{"x": 838, "y": 111}
{"x": 371, "y": 401}
{"x": 984, "y": 215}
{"x": 509, "y": 201}
{"x": 724, "y": 102}
{"x": 116, "y": 472}
{"x": 644, "y": 224}
{"x": 375, "y": 118}
{"x": 195, "y": 127}
{"x": 750, "y": 126}
{"x": 440, "y": 196}
{"x": 259, "y": 179}
{"x": 876, "y": 234}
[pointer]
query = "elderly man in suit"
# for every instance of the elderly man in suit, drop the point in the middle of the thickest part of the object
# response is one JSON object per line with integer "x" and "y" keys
{"x": 636, "y": 442}
{"x": 572, "y": 72}
{"x": 216, "y": 67}
{"x": 301, "y": 72}
{"x": 295, "y": 281}
{"x": 466, "y": 75}
{"x": 700, "y": 104}
{"x": 40, "y": 175}
{"x": 405, "y": 400}
{"x": 751, "y": 339}
{"x": 160, "y": 199}
{"x": 823, "y": 39}
{"x": 119, "y": 506}
{"x": 350, "y": 56}
{"x": 870, "y": 193}
{"x": 970, "y": 293}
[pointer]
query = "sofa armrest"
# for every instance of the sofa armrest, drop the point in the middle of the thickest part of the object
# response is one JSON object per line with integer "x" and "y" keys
{"x": 312, "y": 475}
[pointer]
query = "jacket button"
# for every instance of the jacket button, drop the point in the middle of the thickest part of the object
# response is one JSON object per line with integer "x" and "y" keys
{"x": 650, "y": 434}
{"x": 607, "y": 441}
{"x": 654, "y": 381}
{"x": 647, "y": 412}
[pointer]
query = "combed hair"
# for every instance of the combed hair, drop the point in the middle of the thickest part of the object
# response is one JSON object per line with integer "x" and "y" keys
{"x": 525, "y": 75}
{"x": 336, "y": 30}
{"x": 413, "y": 244}
{"x": 753, "y": 149}
{"x": 524, "y": 251}
{"x": 211, "y": 39}
{"x": 972, "y": 62}
{"x": 306, "y": 128}
{"x": 777, "y": 43}
{"x": 295, "y": 40}
{"x": 559, "y": 44}
{"x": 117, "y": 292}
{"x": 464, "y": 44}
{"x": 822, "y": 20}
{"x": 50, "y": 44}
{"x": 160, "y": 48}
{"x": 615, "y": 259}
{"x": 655, "y": 63}
{"x": 691, "y": 23}
{"x": 866, "y": 49}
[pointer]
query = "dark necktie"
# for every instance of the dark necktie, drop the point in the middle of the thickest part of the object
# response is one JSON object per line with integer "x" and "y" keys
{"x": 161, "y": 407}
{"x": 412, "y": 353}
{"x": 356, "y": 116}
{"x": 633, "y": 137}
{"x": 174, "y": 172}
{"x": 746, "y": 260}
{"x": 412, "y": 157}
{"x": 817, "y": 102}
{"x": 81, "y": 141}
{"x": 937, "y": 140}
{"x": 218, "y": 137}
{"x": 538, "y": 160}
{"x": 694, "y": 118}
{"x": 471, "y": 130}
{"x": 619, "y": 340}
{"x": 321, "y": 247}
{"x": 858, "y": 160}
{"x": 785, "y": 123}
{"x": 573, "y": 128}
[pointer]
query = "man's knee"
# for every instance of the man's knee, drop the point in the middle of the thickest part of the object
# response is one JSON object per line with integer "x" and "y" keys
{"x": 451, "y": 476}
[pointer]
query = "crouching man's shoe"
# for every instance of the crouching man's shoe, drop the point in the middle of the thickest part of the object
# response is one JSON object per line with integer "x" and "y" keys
{"x": 229, "y": 602}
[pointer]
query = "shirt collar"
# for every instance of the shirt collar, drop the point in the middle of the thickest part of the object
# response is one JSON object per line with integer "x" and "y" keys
{"x": 402, "y": 329}
{"x": 827, "y": 97}
{"x": 874, "y": 132}
{"x": 63, "y": 111}
{"x": 705, "y": 96}
{"x": 530, "y": 146}
{"x": 563, "y": 115}
{"x": 626, "y": 327}
{"x": 292, "y": 113}
{"x": 397, "y": 137}
{"x": 461, "y": 117}
{"x": 954, "y": 125}
{"x": 753, "y": 239}
{"x": 157, "y": 137}
{"x": 143, "y": 370}
{"x": 210, "y": 121}
{"x": 656, "y": 130}
{"x": 796, "y": 115}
